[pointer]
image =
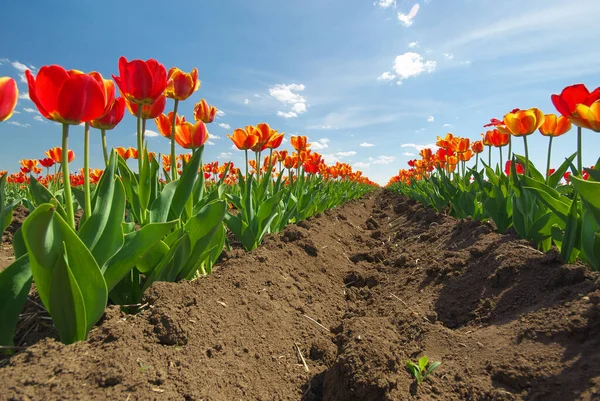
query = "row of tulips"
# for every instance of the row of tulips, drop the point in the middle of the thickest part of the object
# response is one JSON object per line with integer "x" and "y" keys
{"x": 559, "y": 207}
{"x": 165, "y": 221}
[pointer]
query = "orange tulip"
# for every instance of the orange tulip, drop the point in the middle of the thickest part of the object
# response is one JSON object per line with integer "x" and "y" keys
{"x": 123, "y": 152}
{"x": 555, "y": 126}
{"x": 571, "y": 96}
{"x": 28, "y": 165}
{"x": 264, "y": 133}
{"x": 191, "y": 136}
{"x": 131, "y": 153}
{"x": 149, "y": 111}
{"x": 290, "y": 161}
{"x": 282, "y": 155}
{"x": 524, "y": 122}
{"x": 445, "y": 142}
{"x": 141, "y": 82}
{"x": 204, "y": 112}
{"x": 181, "y": 85}
{"x": 68, "y": 97}
{"x": 275, "y": 141}
{"x": 164, "y": 123}
{"x": 477, "y": 146}
{"x": 113, "y": 117}
{"x": 9, "y": 93}
{"x": 466, "y": 155}
{"x": 56, "y": 155}
{"x": 589, "y": 115}
{"x": 242, "y": 139}
{"x": 460, "y": 145}
{"x": 426, "y": 153}
{"x": 299, "y": 143}
{"x": 497, "y": 138}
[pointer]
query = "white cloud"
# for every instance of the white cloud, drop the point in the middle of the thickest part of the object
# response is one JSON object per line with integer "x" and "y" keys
{"x": 223, "y": 125}
{"x": 225, "y": 155}
{"x": 448, "y": 56}
{"x": 39, "y": 118}
{"x": 21, "y": 68}
{"x": 386, "y": 76}
{"x": 414, "y": 44}
{"x": 287, "y": 94}
{"x": 346, "y": 154}
{"x": 321, "y": 127}
{"x": 24, "y": 95}
{"x": 246, "y": 101}
{"x": 430, "y": 119}
{"x": 211, "y": 136}
{"x": 407, "y": 19}
{"x": 210, "y": 143}
{"x": 419, "y": 147}
{"x": 411, "y": 64}
{"x": 220, "y": 113}
{"x": 151, "y": 134}
{"x": 366, "y": 145}
{"x": 385, "y": 3}
{"x": 448, "y": 125}
{"x": 319, "y": 144}
{"x": 289, "y": 114}
{"x": 382, "y": 159}
{"x": 19, "y": 124}
{"x": 16, "y": 112}
{"x": 30, "y": 110}
{"x": 408, "y": 154}
{"x": 256, "y": 95}
{"x": 361, "y": 165}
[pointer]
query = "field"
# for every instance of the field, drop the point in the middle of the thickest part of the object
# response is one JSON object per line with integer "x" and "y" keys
{"x": 330, "y": 309}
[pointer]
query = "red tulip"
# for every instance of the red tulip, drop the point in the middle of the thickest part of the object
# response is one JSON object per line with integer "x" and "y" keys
{"x": 149, "y": 111}
{"x": 9, "y": 93}
{"x": 204, "y": 112}
{"x": 141, "y": 82}
{"x": 56, "y": 155}
{"x": 68, "y": 97}
{"x": 518, "y": 167}
{"x": 47, "y": 162}
{"x": 566, "y": 103}
{"x": 113, "y": 117}
{"x": 191, "y": 136}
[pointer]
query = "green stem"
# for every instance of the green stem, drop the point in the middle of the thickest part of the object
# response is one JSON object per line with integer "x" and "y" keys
{"x": 490, "y": 156}
{"x": 173, "y": 160}
{"x": 509, "y": 157}
{"x": 143, "y": 133}
{"x": 86, "y": 171}
{"x": 66, "y": 177}
{"x": 103, "y": 133}
{"x": 579, "y": 152}
{"x": 257, "y": 154}
{"x": 246, "y": 150}
{"x": 501, "y": 166}
{"x": 476, "y": 161}
{"x": 526, "y": 154}
{"x": 548, "y": 163}
{"x": 140, "y": 144}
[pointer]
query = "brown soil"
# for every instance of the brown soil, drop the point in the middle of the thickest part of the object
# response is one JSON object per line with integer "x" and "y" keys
{"x": 356, "y": 292}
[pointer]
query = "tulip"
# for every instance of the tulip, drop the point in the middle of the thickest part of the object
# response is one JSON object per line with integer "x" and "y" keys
{"x": 518, "y": 168}
{"x": 121, "y": 151}
{"x": 47, "y": 162}
{"x": 141, "y": 82}
{"x": 299, "y": 143}
{"x": 149, "y": 111}
{"x": 57, "y": 153}
{"x": 590, "y": 115}
{"x": 553, "y": 126}
{"x": 445, "y": 142}
{"x": 460, "y": 145}
{"x": 181, "y": 85}
{"x": 9, "y": 93}
{"x": 109, "y": 121}
{"x": 204, "y": 112}
{"x": 523, "y": 123}
{"x": 191, "y": 136}
{"x": 164, "y": 123}
{"x": 477, "y": 147}
{"x": 244, "y": 139}
{"x": 426, "y": 153}
{"x": 566, "y": 103}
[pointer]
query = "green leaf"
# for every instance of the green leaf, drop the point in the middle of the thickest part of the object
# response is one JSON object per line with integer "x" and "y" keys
{"x": 571, "y": 234}
{"x": 152, "y": 258}
{"x": 102, "y": 232}
{"x": 555, "y": 178}
{"x": 19, "y": 247}
{"x": 590, "y": 194}
{"x": 15, "y": 283}
{"x": 136, "y": 245}
{"x": 41, "y": 194}
{"x": 590, "y": 240}
{"x": 60, "y": 261}
{"x": 159, "y": 210}
{"x": 423, "y": 361}
{"x": 186, "y": 184}
{"x": 431, "y": 368}
{"x": 535, "y": 174}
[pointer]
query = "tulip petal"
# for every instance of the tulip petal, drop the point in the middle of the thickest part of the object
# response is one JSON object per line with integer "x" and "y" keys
{"x": 137, "y": 81}
{"x": 46, "y": 87}
{"x": 80, "y": 99}
{"x": 9, "y": 93}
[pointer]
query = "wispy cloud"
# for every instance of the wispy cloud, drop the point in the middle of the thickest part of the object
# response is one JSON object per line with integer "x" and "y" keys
{"x": 220, "y": 113}
{"x": 419, "y": 147}
{"x": 366, "y": 145}
{"x": 414, "y": 44}
{"x": 319, "y": 144}
{"x": 382, "y": 159}
{"x": 151, "y": 134}
{"x": 18, "y": 124}
{"x": 430, "y": 119}
{"x": 407, "y": 19}
{"x": 288, "y": 95}
{"x": 408, "y": 154}
{"x": 40, "y": 119}
{"x": 345, "y": 154}
{"x": 246, "y": 101}
{"x": 225, "y": 155}
{"x": 223, "y": 125}
{"x": 385, "y": 3}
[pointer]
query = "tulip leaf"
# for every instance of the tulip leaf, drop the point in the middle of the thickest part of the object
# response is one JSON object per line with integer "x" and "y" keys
{"x": 130, "y": 183}
{"x": 159, "y": 210}
{"x": 19, "y": 247}
{"x": 185, "y": 184}
{"x": 136, "y": 245}
{"x": 102, "y": 232}
{"x": 65, "y": 273}
{"x": 590, "y": 194}
{"x": 163, "y": 268}
{"x": 571, "y": 234}
{"x": 152, "y": 258}
{"x": 535, "y": 174}
{"x": 555, "y": 178}
{"x": 558, "y": 206}
{"x": 594, "y": 174}
{"x": 41, "y": 194}
{"x": 15, "y": 283}
{"x": 590, "y": 239}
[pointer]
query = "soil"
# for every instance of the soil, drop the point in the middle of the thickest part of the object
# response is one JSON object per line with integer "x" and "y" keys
{"x": 331, "y": 309}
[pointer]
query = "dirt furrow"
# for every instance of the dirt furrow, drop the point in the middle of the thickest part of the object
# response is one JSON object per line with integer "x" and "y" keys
{"x": 331, "y": 309}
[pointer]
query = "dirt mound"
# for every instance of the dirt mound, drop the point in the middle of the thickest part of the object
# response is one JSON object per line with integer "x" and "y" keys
{"x": 331, "y": 309}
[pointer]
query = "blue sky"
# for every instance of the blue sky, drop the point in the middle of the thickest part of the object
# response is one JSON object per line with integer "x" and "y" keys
{"x": 368, "y": 82}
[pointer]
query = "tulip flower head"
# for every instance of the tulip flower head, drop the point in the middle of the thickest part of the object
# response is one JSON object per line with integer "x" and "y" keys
{"x": 242, "y": 139}
{"x": 149, "y": 111}
{"x": 477, "y": 147}
{"x": 567, "y": 101}
{"x": 555, "y": 126}
{"x": 141, "y": 82}
{"x": 589, "y": 116}
{"x": 112, "y": 117}
{"x": 181, "y": 85}
{"x": 57, "y": 155}
{"x": 191, "y": 136}
{"x": 524, "y": 122}
{"x": 204, "y": 112}
{"x": 9, "y": 93}
{"x": 164, "y": 123}
{"x": 299, "y": 143}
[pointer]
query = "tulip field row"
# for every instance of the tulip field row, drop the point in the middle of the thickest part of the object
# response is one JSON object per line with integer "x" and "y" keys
{"x": 555, "y": 207}
{"x": 103, "y": 235}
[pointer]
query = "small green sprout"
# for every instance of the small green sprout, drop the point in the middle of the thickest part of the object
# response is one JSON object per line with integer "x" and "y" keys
{"x": 421, "y": 370}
